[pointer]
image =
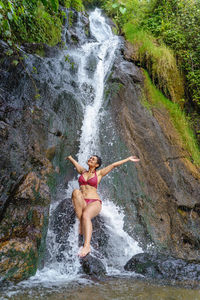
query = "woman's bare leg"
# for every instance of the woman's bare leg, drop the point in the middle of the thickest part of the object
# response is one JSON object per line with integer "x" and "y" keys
{"x": 79, "y": 205}
{"x": 91, "y": 211}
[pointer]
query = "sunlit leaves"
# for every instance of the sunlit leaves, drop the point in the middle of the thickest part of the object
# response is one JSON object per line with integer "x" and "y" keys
{"x": 10, "y": 6}
{"x": 177, "y": 22}
{"x": 15, "y": 62}
{"x": 1, "y": 5}
{"x": 115, "y": 5}
{"x": 55, "y": 5}
{"x": 10, "y": 17}
{"x": 122, "y": 10}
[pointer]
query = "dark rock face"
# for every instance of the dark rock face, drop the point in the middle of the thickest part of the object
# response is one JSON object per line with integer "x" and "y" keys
{"x": 93, "y": 266}
{"x": 25, "y": 196}
{"x": 167, "y": 206}
{"x": 39, "y": 121}
{"x": 163, "y": 267}
{"x": 78, "y": 28}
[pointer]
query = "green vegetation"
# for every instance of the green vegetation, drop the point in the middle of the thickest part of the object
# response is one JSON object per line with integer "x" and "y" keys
{"x": 93, "y": 3}
{"x": 30, "y": 21}
{"x": 155, "y": 99}
{"x": 177, "y": 23}
{"x": 36, "y": 21}
{"x": 166, "y": 40}
{"x": 75, "y": 4}
{"x": 158, "y": 60}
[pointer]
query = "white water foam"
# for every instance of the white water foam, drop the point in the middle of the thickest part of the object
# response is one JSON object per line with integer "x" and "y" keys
{"x": 121, "y": 246}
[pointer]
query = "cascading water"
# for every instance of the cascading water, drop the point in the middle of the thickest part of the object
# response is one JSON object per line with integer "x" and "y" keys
{"x": 94, "y": 60}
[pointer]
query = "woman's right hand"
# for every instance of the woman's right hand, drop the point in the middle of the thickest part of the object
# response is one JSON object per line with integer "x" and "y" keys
{"x": 67, "y": 157}
{"x": 134, "y": 158}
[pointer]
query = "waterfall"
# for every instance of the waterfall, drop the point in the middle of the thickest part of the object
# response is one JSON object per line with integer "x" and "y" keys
{"x": 94, "y": 61}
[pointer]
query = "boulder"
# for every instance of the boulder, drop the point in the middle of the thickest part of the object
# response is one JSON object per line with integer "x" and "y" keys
{"x": 93, "y": 266}
{"x": 161, "y": 266}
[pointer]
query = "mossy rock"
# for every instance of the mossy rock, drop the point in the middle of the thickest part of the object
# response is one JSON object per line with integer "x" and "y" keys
{"x": 18, "y": 259}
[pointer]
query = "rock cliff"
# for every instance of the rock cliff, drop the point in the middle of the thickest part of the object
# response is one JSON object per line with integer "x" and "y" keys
{"x": 171, "y": 183}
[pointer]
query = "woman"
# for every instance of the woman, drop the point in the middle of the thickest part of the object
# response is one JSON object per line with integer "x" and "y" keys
{"x": 86, "y": 201}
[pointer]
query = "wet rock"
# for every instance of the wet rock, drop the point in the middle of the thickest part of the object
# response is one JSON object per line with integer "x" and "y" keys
{"x": 63, "y": 219}
{"x": 130, "y": 52}
{"x": 4, "y": 129}
{"x": 163, "y": 267}
{"x": 124, "y": 69}
{"x": 93, "y": 266}
{"x": 100, "y": 236}
{"x": 51, "y": 152}
{"x": 40, "y": 49}
{"x": 18, "y": 259}
{"x": 130, "y": 69}
{"x": 163, "y": 206}
{"x": 35, "y": 128}
{"x": 23, "y": 229}
{"x": 78, "y": 28}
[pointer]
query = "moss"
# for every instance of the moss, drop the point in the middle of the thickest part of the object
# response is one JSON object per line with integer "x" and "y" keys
{"x": 38, "y": 199}
{"x": 75, "y": 4}
{"x": 11, "y": 273}
{"x": 41, "y": 243}
{"x": 40, "y": 52}
{"x": 25, "y": 264}
{"x": 32, "y": 261}
{"x": 182, "y": 212}
{"x": 50, "y": 152}
{"x": 49, "y": 28}
{"x": 158, "y": 60}
{"x": 52, "y": 183}
{"x": 178, "y": 118}
{"x": 30, "y": 215}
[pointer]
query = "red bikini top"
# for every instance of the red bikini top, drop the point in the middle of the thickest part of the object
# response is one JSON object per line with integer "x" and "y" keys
{"x": 92, "y": 181}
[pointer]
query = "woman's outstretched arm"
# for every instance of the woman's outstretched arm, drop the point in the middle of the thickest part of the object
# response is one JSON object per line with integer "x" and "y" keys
{"x": 78, "y": 167}
{"x": 109, "y": 168}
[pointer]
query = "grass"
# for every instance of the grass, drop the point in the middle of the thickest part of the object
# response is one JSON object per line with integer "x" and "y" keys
{"x": 177, "y": 116}
{"x": 158, "y": 60}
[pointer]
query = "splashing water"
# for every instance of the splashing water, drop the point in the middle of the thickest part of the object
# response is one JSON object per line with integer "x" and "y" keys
{"x": 99, "y": 55}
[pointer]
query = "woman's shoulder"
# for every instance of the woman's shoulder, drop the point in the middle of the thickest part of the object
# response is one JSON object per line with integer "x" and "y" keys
{"x": 83, "y": 171}
{"x": 98, "y": 172}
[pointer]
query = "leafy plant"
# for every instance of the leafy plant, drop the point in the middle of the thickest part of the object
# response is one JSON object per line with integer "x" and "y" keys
{"x": 177, "y": 23}
{"x": 37, "y": 21}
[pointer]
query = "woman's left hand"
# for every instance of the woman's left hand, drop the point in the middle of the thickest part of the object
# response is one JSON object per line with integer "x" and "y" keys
{"x": 134, "y": 158}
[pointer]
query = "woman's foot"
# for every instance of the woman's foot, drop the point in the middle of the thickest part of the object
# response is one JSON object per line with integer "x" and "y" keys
{"x": 84, "y": 251}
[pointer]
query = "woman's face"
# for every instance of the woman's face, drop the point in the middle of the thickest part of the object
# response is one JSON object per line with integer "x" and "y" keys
{"x": 92, "y": 162}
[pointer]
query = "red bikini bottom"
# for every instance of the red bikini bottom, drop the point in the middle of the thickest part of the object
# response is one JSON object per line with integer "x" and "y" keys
{"x": 88, "y": 201}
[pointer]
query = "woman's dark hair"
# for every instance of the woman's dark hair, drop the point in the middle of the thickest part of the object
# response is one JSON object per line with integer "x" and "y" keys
{"x": 99, "y": 161}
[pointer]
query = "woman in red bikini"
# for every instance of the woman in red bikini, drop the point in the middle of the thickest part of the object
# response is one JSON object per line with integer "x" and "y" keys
{"x": 86, "y": 201}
